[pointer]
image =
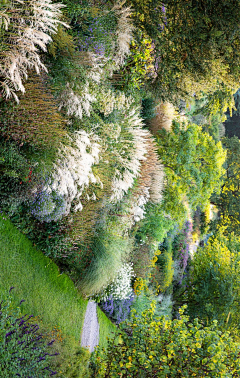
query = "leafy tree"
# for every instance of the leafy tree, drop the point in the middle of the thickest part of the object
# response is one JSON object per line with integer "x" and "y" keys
{"x": 157, "y": 347}
{"x": 228, "y": 202}
{"x": 193, "y": 165}
{"x": 196, "y": 43}
{"x": 214, "y": 285}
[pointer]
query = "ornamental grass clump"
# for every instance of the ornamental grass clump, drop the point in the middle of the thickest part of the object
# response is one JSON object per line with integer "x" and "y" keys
{"x": 25, "y": 27}
{"x": 131, "y": 155}
{"x": 108, "y": 251}
{"x": 71, "y": 174}
{"x": 22, "y": 350}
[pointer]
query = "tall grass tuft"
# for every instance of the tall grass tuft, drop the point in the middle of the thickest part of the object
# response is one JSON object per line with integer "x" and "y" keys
{"x": 109, "y": 250}
{"x": 36, "y": 119}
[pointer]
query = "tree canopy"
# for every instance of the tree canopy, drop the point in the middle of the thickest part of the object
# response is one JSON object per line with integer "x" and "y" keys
{"x": 214, "y": 284}
{"x": 196, "y": 44}
{"x": 193, "y": 163}
{"x": 228, "y": 202}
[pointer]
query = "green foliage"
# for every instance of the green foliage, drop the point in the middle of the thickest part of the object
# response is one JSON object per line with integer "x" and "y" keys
{"x": 165, "y": 263}
{"x": 138, "y": 67}
{"x": 148, "y": 347}
{"x": 155, "y": 225}
{"x": 228, "y": 202}
{"x": 197, "y": 50}
{"x": 193, "y": 165}
{"x": 73, "y": 360}
{"x": 214, "y": 282}
{"x": 14, "y": 168}
{"x": 108, "y": 249}
{"x": 62, "y": 44}
{"x": 149, "y": 232}
{"x": 148, "y": 109}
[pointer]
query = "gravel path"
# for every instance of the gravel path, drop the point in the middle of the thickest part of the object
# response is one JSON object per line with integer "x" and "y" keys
{"x": 90, "y": 330}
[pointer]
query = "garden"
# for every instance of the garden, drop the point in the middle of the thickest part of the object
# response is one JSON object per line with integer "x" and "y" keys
{"x": 119, "y": 186}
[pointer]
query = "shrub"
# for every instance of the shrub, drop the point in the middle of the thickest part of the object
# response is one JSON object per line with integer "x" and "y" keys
{"x": 149, "y": 347}
{"x": 48, "y": 206}
{"x": 22, "y": 350}
{"x": 165, "y": 263}
{"x": 148, "y": 109}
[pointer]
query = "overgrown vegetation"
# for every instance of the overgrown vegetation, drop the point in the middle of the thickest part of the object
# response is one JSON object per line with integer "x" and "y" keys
{"x": 114, "y": 164}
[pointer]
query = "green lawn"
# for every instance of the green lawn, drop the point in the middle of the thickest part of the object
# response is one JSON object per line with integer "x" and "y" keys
{"x": 48, "y": 294}
{"x": 36, "y": 279}
{"x": 106, "y": 328}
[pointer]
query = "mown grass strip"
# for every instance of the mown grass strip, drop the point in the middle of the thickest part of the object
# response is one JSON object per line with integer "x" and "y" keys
{"x": 47, "y": 293}
{"x": 106, "y": 328}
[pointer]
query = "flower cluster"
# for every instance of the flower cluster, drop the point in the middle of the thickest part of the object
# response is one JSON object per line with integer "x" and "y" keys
{"x": 124, "y": 33}
{"x": 109, "y": 100}
{"x": 48, "y": 206}
{"x": 117, "y": 310}
{"x": 120, "y": 288}
{"x": 138, "y": 210}
{"x": 75, "y": 103}
{"x": 23, "y": 352}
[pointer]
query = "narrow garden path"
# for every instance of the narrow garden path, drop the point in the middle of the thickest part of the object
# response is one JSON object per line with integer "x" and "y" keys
{"x": 90, "y": 330}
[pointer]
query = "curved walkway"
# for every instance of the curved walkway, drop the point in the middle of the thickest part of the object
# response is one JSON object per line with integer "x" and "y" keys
{"x": 90, "y": 330}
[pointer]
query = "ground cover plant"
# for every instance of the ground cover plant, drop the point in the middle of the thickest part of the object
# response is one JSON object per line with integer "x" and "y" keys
{"x": 22, "y": 347}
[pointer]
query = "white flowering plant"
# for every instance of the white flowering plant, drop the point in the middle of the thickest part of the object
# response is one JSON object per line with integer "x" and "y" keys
{"x": 120, "y": 288}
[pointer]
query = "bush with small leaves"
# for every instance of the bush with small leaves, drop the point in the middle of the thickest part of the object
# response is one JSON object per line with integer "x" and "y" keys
{"x": 146, "y": 346}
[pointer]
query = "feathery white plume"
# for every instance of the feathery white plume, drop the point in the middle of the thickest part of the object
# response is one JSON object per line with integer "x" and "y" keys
{"x": 124, "y": 34}
{"x": 28, "y": 26}
{"x": 73, "y": 170}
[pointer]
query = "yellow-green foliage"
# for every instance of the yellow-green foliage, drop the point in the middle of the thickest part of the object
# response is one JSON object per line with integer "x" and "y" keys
{"x": 62, "y": 43}
{"x": 214, "y": 286}
{"x": 212, "y": 253}
{"x": 36, "y": 119}
{"x": 73, "y": 360}
{"x": 157, "y": 347}
{"x": 165, "y": 262}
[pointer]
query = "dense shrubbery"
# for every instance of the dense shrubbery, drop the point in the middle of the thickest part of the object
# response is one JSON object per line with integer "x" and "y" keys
{"x": 148, "y": 347}
{"x": 84, "y": 178}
